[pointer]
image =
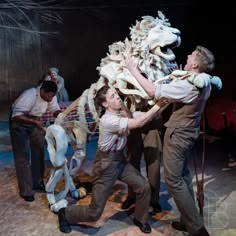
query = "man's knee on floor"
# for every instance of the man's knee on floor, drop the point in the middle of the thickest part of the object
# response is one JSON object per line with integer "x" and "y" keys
{"x": 95, "y": 215}
{"x": 74, "y": 214}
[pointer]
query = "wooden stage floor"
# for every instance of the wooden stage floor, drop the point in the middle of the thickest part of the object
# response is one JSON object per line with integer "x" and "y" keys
{"x": 20, "y": 218}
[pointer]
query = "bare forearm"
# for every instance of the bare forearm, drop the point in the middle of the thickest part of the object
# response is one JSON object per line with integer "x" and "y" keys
{"x": 23, "y": 118}
{"x": 143, "y": 118}
{"x": 29, "y": 120}
{"x": 148, "y": 86}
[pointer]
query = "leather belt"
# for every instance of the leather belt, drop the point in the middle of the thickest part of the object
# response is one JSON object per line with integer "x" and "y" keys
{"x": 34, "y": 117}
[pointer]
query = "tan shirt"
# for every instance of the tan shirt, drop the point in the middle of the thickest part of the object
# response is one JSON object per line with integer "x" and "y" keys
{"x": 113, "y": 131}
{"x": 189, "y": 102}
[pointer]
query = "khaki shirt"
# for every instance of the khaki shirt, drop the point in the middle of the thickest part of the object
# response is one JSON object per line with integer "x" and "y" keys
{"x": 113, "y": 131}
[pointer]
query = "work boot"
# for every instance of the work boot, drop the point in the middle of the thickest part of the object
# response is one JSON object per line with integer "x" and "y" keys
{"x": 63, "y": 223}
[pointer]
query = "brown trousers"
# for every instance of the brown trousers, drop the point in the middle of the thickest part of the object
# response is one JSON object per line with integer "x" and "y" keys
{"x": 109, "y": 167}
{"x": 28, "y": 150}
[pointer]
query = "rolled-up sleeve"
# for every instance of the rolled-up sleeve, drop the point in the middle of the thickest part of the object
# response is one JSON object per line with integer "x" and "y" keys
{"x": 113, "y": 131}
{"x": 177, "y": 91}
{"x": 117, "y": 124}
{"x": 123, "y": 125}
{"x": 24, "y": 103}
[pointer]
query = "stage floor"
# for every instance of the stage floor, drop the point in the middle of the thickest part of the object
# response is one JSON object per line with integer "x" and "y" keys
{"x": 20, "y": 218}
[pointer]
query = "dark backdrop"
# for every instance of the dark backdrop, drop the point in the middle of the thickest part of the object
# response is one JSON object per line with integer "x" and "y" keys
{"x": 89, "y": 27}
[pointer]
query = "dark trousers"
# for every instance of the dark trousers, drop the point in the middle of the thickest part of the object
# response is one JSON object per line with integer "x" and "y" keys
{"x": 28, "y": 150}
{"x": 109, "y": 167}
{"x": 178, "y": 144}
{"x": 146, "y": 142}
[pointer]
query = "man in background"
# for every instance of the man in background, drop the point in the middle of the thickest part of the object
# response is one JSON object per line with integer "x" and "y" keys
{"x": 27, "y": 136}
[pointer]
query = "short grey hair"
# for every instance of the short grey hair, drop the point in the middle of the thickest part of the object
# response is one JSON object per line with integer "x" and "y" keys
{"x": 206, "y": 59}
{"x": 53, "y": 69}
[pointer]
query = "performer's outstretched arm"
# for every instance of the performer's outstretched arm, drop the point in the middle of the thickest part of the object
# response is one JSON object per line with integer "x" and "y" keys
{"x": 179, "y": 91}
{"x": 147, "y": 85}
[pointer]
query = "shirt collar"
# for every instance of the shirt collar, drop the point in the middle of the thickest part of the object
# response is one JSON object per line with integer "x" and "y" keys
{"x": 113, "y": 113}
